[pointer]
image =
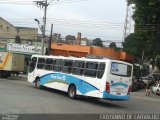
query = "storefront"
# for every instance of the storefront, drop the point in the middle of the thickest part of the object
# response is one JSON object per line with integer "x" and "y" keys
{"x": 25, "y": 49}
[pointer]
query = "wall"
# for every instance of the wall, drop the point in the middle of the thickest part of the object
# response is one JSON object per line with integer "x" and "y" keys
{"x": 9, "y": 32}
{"x": 83, "y": 51}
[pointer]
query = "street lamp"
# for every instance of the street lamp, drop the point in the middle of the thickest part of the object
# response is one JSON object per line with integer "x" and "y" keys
{"x": 37, "y": 21}
{"x": 43, "y": 35}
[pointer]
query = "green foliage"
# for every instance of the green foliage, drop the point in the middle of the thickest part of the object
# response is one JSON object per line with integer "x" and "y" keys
{"x": 146, "y": 38}
{"x": 112, "y": 45}
{"x": 98, "y": 42}
{"x": 135, "y": 44}
{"x": 145, "y": 70}
{"x": 158, "y": 61}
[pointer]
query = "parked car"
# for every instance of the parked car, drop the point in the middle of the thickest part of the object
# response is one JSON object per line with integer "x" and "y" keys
{"x": 156, "y": 88}
{"x": 156, "y": 76}
{"x": 141, "y": 84}
{"x": 148, "y": 79}
{"x": 134, "y": 85}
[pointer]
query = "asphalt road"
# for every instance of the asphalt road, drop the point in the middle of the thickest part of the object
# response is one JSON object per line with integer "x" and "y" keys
{"x": 19, "y": 97}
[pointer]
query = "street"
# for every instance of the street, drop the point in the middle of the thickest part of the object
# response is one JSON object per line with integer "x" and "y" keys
{"x": 20, "y": 97}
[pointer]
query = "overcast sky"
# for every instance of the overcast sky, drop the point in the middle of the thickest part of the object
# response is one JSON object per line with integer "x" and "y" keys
{"x": 93, "y": 18}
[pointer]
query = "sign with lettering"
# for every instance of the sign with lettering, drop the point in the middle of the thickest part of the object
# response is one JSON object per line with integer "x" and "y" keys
{"x": 2, "y": 47}
{"x": 24, "y": 48}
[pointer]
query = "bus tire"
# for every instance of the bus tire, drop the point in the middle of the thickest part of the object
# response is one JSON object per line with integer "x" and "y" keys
{"x": 37, "y": 83}
{"x": 72, "y": 92}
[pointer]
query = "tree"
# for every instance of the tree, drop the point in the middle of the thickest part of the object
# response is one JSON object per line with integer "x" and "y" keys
{"x": 98, "y": 42}
{"x": 112, "y": 45}
{"x": 135, "y": 44}
{"x": 157, "y": 61}
{"x": 147, "y": 23}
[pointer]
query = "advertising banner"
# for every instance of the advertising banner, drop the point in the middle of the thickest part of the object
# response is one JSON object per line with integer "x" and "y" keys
{"x": 23, "y": 48}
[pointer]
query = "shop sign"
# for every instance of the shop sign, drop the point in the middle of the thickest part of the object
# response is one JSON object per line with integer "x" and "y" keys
{"x": 24, "y": 48}
{"x": 2, "y": 47}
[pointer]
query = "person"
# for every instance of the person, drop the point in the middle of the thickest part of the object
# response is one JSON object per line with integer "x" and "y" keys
{"x": 148, "y": 89}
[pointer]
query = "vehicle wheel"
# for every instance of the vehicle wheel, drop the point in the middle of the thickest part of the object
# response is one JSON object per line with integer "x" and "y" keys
{"x": 72, "y": 92}
{"x": 156, "y": 93}
{"x": 37, "y": 83}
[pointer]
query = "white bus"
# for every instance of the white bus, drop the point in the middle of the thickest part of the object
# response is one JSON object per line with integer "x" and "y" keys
{"x": 100, "y": 78}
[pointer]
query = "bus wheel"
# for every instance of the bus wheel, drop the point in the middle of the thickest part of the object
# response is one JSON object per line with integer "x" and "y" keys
{"x": 72, "y": 92}
{"x": 37, "y": 83}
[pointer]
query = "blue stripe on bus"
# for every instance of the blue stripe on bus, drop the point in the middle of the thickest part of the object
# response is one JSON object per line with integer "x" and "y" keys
{"x": 119, "y": 84}
{"x": 82, "y": 86}
{"x": 114, "y": 97}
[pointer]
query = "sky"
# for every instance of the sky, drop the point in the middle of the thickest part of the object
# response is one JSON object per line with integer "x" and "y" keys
{"x": 93, "y": 18}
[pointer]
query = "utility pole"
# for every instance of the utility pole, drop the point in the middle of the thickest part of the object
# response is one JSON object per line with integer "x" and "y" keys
{"x": 43, "y": 5}
{"x": 127, "y": 24}
{"x": 44, "y": 24}
{"x": 50, "y": 41}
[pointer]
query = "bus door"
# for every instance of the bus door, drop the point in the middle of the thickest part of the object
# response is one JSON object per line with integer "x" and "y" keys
{"x": 101, "y": 78}
{"x": 32, "y": 66}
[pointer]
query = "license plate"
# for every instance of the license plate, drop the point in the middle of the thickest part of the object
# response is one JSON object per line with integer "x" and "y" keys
{"x": 118, "y": 93}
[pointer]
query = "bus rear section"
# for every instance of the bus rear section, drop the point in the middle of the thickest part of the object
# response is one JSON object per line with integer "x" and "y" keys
{"x": 118, "y": 81}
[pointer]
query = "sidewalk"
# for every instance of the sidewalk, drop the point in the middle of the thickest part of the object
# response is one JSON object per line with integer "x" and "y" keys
{"x": 22, "y": 77}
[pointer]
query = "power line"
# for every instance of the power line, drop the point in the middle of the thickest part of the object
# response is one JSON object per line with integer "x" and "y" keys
{"x": 77, "y": 23}
{"x": 30, "y": 20}
{"x": 31, "y": 2}
{"x": 86, "y": 24}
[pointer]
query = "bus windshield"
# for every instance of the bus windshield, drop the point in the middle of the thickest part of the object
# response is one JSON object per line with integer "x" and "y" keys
{"x": 32, "y": 65}
{"x": 121, "y": 69}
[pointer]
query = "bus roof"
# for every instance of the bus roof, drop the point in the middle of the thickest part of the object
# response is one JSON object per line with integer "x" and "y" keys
{"x": 82, "y": 58}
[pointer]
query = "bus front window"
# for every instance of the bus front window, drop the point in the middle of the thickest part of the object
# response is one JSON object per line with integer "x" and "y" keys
{"x": 32, "y": 65}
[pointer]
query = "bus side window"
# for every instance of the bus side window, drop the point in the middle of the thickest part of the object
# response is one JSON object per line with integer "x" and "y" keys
{"x": 81, "y": 64}
{"x": 101, "y": 70}
{"x": 91, "y": 69}
{"x": 90, "y": 73}
{"x": 48, "y": 64}
{"x": 75, "y": 64}
{"x": 67, "y": 66}
{"x": 41, "y": 62}
{"x": 34, "y": 59}
{"x": 90, "y": 65}
{"x": 78, "y": 67}
{"x": 57, "y": 65}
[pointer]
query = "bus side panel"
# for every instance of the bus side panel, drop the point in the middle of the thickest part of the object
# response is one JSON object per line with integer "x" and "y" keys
{"x": 62, "y": 81}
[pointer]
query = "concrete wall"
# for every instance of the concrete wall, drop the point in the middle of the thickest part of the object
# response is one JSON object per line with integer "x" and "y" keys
{"x": 9, "y": 32}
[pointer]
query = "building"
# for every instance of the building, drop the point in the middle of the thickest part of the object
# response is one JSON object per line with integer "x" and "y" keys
{"x": 60, "y": 49}
{"x": 9, "y": 32}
